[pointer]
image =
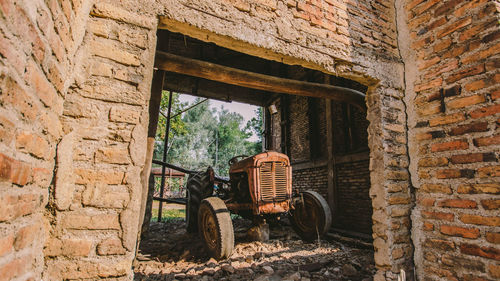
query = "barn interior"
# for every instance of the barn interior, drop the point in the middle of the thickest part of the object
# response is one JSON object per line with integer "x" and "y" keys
{"x": 325, "y": 139}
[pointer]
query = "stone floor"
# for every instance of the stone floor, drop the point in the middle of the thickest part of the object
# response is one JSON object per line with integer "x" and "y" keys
{"x": 169, "y": 253}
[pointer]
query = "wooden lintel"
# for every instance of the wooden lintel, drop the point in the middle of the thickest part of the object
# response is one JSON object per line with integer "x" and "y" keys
{"x": 242, "y": 78}
{"x": 212, "y": 90}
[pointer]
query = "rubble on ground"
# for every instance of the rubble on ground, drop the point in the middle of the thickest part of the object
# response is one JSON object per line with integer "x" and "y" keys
{"x": 169, "y": 253}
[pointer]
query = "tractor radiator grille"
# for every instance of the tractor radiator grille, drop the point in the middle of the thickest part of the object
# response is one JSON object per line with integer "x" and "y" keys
{"x": 273, "y": 182}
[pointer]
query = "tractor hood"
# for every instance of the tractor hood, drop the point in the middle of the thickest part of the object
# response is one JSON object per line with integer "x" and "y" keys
{"x": 256, "y": 161}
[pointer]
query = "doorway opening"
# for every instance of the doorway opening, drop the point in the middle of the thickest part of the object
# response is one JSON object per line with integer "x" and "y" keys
{"x": 318, "y": 120}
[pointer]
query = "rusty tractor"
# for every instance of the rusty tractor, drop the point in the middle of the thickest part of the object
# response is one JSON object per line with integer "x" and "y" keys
{"x": 259, "y": 188}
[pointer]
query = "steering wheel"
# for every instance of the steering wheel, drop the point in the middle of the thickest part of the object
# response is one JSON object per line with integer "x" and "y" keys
{"x": 235, "y": 159}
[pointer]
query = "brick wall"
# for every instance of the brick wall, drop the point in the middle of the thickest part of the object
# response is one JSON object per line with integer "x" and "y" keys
{"x": 85, "y": 71}
{"x": 457, "y": 140}
{"x": 37, "y": 47}
{"x": 311, "y": 179}
{"x": 354, "y": 209}
{"x": 74, "y": 82}
{"x": 298, "y": 120}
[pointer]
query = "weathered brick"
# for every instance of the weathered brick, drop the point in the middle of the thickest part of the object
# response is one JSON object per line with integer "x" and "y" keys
{"x": 442, "y": 45}
{"x": 491, "y": 188}
{"x": 436, "y": 188}
{"x": 448, "y": 174}
{"x": 475, "y": 30}
{"x": 475, "y": 250}
{"x": 15, "y": 267}
{"x": 471, "y": 233}
{"x": 491, "y": 204}
{"x": 433, "y": 162}
{"x": 469, "y": 128}
{"x": 110, "y": 246}
{"x": 447, "y": 119}
{"x": 427, "y": 202}
{"x": 14, "y": 171}
{"x": 33, "y": 144}
{"x": 466, "y": 72}
{"x": 430, "y": 109}
{"x": 6, "y": 244}
{"x": 486, "y": 141}
{"x": 26, "y": 235}
{"x": 462, "y": 262}
{"x": 43, "y": 88}
{"x": 73, "y": 220}
{"x": 113, "y": 155}
{"x": 485, "y": 111}
{"x": 428, "y": 63}
{"x": 493, "y": 237}
{"x": 397, "y": 200}
{"x": 69, "y": 247}
{"x": 480, "y": 220}
{"x": 494, "y": 270}
{"x": 106, "y": 10}
{"x": 451, "y": 145}
{"x": 117, "y": 114}
{"x": 438, "y": 215}
{"x": 429, "y": 85}
{"x": 490, "y": 171}
{"x": 428, "y": 226}
{"x": 458, "y": 203}
{"x": 102, "y": 196}
{"x": 492, "y": 50}
{"x": 109, "y": 50}
{"x": 455, "y": 26}
{"x": 91, "y": 176}
{"x": 14, "y": 94}
{"x": 473, "y": 158}
{"x": 443, "y": 245}
{"x": 495, "y": 95}
{"x": 466, "y": 101}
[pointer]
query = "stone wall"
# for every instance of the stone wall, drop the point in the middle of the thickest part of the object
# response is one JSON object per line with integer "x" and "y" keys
{"x": 455, "y": 92}
{"x": 94, "y": 222}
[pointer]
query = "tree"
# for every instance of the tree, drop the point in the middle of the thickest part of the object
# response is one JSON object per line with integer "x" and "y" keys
{"x": 204, "y": 136}
{"x": 256, "y": 126}
{"x": 177, "y": 126}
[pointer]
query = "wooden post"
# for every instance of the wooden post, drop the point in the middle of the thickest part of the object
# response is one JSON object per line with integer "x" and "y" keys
{"x": 147, "y": 194}
{"x": 165, "y": 148}
{"x": 332, "y": 189}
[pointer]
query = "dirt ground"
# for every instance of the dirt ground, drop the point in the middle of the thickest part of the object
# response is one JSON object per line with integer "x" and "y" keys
{"x": 169, "y": 253}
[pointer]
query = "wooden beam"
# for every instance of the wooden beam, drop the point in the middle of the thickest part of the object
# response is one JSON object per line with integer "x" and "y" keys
{"x": 238, "y": 77}
{"x": 213, "y": 90}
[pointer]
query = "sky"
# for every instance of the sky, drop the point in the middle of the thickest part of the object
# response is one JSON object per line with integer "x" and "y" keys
{"x": 245, "y": 110}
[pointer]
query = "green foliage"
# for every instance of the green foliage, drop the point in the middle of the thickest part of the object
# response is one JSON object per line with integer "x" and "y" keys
{"x": 169, "y": 214}
{"x": 205, "y": 137}
{"x": 177, "y": 126}
{"x": 256, "y": 126}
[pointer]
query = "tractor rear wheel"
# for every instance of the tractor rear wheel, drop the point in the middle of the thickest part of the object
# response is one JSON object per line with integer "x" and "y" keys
{"x": 311, "y": 218}
{"x": 199, "y": 186}
{"x": 216, "y": 228}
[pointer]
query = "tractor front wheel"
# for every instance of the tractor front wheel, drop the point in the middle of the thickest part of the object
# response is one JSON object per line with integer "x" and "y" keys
{"x": 216, "y": 228}
{"x": 311, "y": 218}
